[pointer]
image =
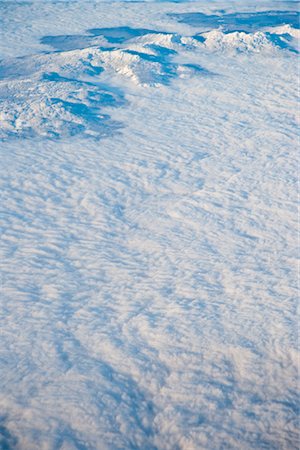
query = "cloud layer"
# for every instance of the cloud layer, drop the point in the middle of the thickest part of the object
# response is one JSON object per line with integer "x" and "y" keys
{"x": 148, "y": 218}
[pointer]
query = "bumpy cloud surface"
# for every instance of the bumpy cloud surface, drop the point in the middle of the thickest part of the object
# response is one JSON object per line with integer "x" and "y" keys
{"x": 148, "y": 219}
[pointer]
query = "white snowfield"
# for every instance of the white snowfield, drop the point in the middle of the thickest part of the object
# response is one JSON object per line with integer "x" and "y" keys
{"x": 148, "y": 215}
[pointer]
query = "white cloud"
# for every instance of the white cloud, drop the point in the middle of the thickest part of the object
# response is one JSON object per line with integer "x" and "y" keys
{"x": 148, "y": 275}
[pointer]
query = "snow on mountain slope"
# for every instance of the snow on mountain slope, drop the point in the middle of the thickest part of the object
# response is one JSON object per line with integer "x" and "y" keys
{"x": 148, "y": 220}
{"x": 57, "y": 93}
{"x": 240, "y": 41}
{"x": 50, "y": 95}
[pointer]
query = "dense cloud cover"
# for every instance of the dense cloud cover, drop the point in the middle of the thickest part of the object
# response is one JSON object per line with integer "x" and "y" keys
{"x": 148, "y": 218}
